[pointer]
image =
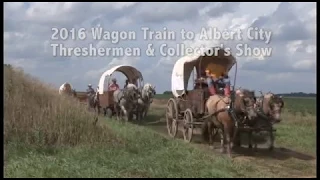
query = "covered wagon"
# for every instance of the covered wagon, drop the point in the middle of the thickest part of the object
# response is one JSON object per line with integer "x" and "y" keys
{"x": 106, "y": 96}
{"x": 187, "y": 107}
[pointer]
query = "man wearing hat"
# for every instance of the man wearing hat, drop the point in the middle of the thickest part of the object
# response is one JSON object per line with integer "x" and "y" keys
{"x": 224, "y": 83}
{"x": 211, "y": 82}
{"x": 90, "y": 94}
{"x": 90, "y": 90}
{"x": 113, "y": 86}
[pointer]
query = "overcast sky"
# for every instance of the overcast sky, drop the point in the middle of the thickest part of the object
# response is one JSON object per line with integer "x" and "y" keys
{"x": 290, "y": 68}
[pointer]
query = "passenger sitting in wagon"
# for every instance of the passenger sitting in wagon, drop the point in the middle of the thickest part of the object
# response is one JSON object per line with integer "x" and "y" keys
{"x": 224, "y": 83}
{"x": 114, "y": 86}
{"x": 211, "y": 82}
{"x": 215, "y": 84}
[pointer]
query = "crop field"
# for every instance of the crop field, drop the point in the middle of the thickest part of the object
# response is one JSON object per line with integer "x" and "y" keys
{"x": 294, "y": 105}
{"x": 304, "y": 106}
{"x": 47, "y": 135}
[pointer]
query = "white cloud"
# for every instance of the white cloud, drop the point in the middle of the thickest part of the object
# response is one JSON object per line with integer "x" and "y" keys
{"x": 304, "y": 65}
{"x": 114, "y": 62}
{"x": 27, "y": 31}
{"x": 292, "y": 46}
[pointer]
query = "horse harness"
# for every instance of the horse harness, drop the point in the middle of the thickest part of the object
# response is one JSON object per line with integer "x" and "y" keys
{"x": 260, "y": 108}
{"x": 125, "y": 94}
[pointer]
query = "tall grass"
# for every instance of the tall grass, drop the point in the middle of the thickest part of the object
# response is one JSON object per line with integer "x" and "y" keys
{"x": 36, "y": 114}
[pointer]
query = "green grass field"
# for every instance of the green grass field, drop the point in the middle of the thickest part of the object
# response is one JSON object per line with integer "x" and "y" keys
{"x": 294, "y": 105}
{"x": 305, "y": 106}
{"x": 163, "y": 96}
{"x": 46, "y": 135}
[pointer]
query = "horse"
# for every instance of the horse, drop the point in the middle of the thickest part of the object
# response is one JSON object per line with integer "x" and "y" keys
{"x": 96, "y": 102}
{"x": 223, "y": 120}
{"x": 269, "y": 107}
{"x": 65, "y": 88}
{"x": 125, "y": 101}
{"x": 147, "y": 94}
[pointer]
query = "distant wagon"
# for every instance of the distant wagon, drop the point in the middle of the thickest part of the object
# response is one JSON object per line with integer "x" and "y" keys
{"x": 105, "y": 96}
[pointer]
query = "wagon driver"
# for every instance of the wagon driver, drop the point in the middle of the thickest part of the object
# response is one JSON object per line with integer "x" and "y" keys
{"x": 224, "y": 82}
{"x": 113, "y": 86}
{"x": 90, "y": 93}
{"x": 214, "y": 82}
{"x": 211, "y": 82}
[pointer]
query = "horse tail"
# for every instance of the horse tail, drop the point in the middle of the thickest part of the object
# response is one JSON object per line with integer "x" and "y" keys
{"x": 204, "y": 131}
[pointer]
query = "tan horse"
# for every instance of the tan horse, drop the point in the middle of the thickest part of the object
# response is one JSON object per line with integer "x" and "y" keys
{"x": 223, "y": 121}
{"x": 270, "y": 106}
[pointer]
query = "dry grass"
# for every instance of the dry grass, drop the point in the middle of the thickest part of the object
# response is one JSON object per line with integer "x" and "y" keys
{"x": 36, "y": 114}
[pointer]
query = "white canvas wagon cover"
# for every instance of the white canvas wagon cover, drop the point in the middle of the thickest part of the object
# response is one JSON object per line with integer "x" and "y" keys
{"x": 130, "y": 72}
{"x": 184, "y": 66}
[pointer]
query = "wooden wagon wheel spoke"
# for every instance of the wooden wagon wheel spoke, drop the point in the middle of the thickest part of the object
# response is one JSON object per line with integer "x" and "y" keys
{"x": 172, "y": 117}
{"x": 188, "y": 126}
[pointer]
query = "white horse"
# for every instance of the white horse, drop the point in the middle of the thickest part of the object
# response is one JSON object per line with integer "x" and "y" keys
{"x": 125, "y": 101}
{"x": 133, "y": 86}
{"x": 65, "y": 88}
{"x": 147, "y": 94}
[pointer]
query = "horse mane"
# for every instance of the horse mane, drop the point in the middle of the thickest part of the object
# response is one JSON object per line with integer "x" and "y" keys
{"x": 147, "y": 85}
{"x": 268, "y": 95}
{"x": 246, "y": 92}
{"x": 277, "y": 99}
{"x": 130, "y": 85}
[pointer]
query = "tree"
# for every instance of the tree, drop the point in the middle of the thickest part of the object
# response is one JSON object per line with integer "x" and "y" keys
{"x": 167, "y": 92}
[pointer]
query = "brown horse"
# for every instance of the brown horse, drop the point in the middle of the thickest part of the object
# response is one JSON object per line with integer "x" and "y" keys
{"x": 223, "y": 120}
{"x": 270, "y": 107}
{"x": 244, "y": 106}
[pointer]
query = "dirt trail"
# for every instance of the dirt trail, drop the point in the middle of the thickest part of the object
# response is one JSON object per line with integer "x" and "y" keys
{"x": 282, "y": 161}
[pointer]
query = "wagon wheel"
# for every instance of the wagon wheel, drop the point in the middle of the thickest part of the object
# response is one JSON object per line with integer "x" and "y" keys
{"x": 188, "y": 126}
{"x": 172, "y": 117}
